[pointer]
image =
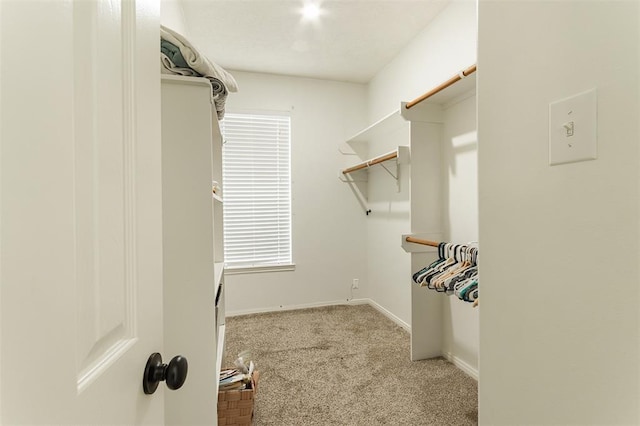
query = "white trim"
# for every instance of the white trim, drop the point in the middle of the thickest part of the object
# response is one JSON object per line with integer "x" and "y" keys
{"x": 388, "y": 314}
{"x": 364, "y": 301}
{"x": 130, "y": 148}
{"x": 259, "y": 269}
{"x": 284, "y": 308}
{"x": 102, "y": 364}
{"x": 462, "y": 365}
{"x": 219, "y": 353}
{"x": 1, "y": 234}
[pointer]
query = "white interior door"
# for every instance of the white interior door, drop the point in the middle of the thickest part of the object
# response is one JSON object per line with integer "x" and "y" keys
{"x": 80, "y": 212}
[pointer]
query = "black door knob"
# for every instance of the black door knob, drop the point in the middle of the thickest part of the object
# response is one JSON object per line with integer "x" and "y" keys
{"x": 175, "y": 373}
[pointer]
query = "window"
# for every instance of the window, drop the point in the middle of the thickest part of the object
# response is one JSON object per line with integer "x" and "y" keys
{"x": 257, "y": 190}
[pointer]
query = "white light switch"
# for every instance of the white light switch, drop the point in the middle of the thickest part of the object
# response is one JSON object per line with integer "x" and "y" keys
{"x": 573, "y": 128}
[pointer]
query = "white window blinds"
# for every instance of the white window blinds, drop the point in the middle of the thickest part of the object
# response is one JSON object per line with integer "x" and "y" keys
{"x": 257, "y": 190}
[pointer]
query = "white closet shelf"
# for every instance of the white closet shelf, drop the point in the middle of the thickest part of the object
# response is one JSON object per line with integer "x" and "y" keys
{"x": 383, "y": 126}
{"x": 357, "y": 145}
{"x": 181, "y": 79}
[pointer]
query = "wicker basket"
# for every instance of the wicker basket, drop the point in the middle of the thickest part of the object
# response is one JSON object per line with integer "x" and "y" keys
{"x": 235, "y": 407}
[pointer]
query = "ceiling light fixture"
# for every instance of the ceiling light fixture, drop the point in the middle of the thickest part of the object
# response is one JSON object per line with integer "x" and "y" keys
{"x": 311, "y": 11}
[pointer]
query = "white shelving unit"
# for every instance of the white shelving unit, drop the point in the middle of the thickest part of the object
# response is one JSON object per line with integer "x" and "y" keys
{"x": 358, "y": 146}
{"x": 193, "y": 270}
{"x": 427, "y": 118}
{"x": 383, "y": 126}
{"x": 218, "y": 245}
{"x": 418, "y": 119}
{"x": 422, "y": 143}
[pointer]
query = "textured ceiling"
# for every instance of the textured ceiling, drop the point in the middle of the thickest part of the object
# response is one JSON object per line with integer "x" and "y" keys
{"x": 351, "y": 41}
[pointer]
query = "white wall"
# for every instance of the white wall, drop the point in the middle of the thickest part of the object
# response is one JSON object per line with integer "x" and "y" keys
{"x": 445, "y": 47}
{"x": 172, "y": 16}
{"x": 329, "y": 236}
{"x": 560, "y": 272}
{"x": 388, "y": 265}
{"x": 460, "y": 203}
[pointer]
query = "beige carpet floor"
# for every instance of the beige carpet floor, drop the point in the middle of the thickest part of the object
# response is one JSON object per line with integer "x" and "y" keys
{"x": 346, "y": 365}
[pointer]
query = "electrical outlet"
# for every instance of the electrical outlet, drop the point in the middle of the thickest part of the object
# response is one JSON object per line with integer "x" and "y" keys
{"x": 355, "y": 284}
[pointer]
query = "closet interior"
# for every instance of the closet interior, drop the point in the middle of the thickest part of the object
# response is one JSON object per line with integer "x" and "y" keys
{"x": 425, "y": 132}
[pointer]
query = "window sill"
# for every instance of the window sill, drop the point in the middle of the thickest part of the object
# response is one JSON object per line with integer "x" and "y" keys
{"x": 259, "y": 269}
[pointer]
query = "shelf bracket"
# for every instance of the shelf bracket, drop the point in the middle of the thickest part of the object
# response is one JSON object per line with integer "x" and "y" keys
{"x": 389, "y": 171}
{"x": 396, "y": 176}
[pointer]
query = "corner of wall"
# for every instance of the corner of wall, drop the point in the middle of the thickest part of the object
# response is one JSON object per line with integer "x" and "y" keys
{"x": 447, "y": 45}
{"x": 172, "y": 16}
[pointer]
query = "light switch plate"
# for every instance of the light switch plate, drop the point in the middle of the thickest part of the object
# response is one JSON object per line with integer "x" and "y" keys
{"x": 573, "y": 128}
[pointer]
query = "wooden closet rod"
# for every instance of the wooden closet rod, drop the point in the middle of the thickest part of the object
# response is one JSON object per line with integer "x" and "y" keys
{"x": 442, "y": 86}
{"x": 371, "y": 162}
{"x": 421, "y": 241}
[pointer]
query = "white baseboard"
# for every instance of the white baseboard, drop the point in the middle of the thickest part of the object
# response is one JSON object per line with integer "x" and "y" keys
{"x": 288, "y": 308}
{"x": 462, "y": 365}
{"x": 382, "y": 310}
